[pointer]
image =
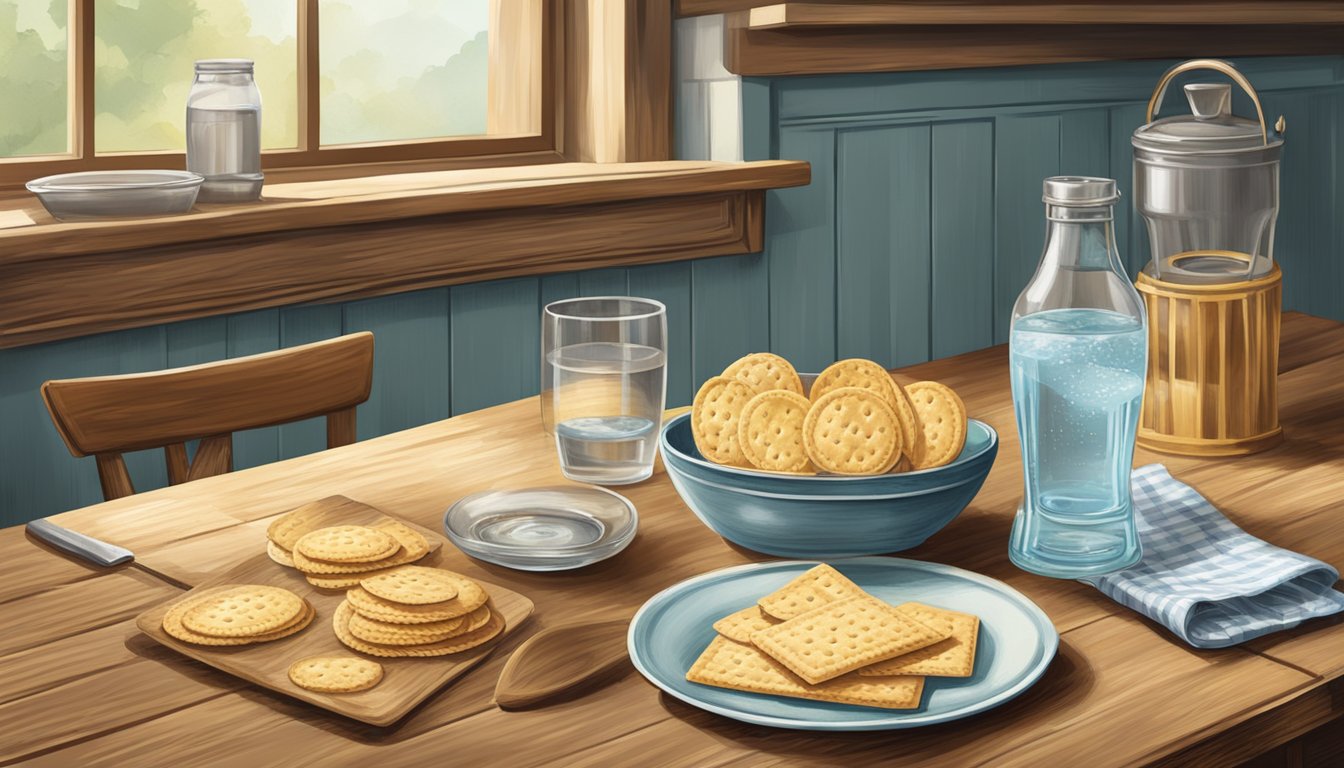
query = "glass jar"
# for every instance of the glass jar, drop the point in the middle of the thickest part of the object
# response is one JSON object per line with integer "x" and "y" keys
{"x": 1078, "y": 352}
{"x": 224, "y": 131}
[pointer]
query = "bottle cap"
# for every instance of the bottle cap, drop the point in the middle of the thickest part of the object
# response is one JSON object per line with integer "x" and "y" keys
{"x": 224, "y": 66}
{"x": 1080, "y": 191}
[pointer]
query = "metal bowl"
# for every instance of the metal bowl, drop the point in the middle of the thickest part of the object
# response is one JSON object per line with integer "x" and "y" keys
{"x": 102, "y": 194}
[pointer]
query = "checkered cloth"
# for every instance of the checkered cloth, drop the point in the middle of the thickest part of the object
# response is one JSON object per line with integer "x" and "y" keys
{"x": 1207, "y": 580}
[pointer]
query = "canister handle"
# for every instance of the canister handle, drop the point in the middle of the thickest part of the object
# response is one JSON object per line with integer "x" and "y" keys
{"x": 1217, "y": 65}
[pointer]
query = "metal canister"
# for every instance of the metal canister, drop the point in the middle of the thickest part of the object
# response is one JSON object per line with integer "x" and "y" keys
{"x": 1207, "y": 183}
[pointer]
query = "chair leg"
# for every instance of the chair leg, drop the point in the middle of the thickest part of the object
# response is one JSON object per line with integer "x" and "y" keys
{"x": 114, "y": 477}
{"x": 341, "y": 427}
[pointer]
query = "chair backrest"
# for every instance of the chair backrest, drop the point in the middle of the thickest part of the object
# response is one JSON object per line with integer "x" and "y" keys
{"x": 105, "y": 416}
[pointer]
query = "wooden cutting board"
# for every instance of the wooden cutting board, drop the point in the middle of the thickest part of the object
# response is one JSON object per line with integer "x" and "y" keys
{"x": 406, "y": 681}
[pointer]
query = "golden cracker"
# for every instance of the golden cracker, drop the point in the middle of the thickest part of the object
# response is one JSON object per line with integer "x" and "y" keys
{"x": 415, "y": 585}
{"x": 739, "y": 626}
{"x": 347, "y": 544}
{"x": 172, "y": 624}
{"x": 841, "y": 637}
{"x": 413, "y": 547}
{"x": 763, "y": 371}
{"x": 953, "y": 657}
{"x": 912, "y": 443}
{"x": 244, "y": 610}
{"x": 714, "y": 416}
{"x": 386, "y": 633}
{"x": 854, "y": 372}
{"x": 471, "y": 597}
{"x": 811, "y": 589}
{"x": 942, "y": 415}
{"x": 279, "y": 554}
{"x": 340, "y": 624}
{"x": 851, "y": 431}
{"x": 741, "y": 667}
{"x": 286, "y": 529}
{"x": 770, "y": 431}
{"x": 335, "y": 674}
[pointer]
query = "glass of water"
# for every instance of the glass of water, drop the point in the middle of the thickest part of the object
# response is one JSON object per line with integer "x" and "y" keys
{"x": 604, "y": 382}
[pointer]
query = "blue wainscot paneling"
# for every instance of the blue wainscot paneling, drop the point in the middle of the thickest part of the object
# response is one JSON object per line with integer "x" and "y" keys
{"x": 921, "y": 224}
{"x": 924, "y": 217}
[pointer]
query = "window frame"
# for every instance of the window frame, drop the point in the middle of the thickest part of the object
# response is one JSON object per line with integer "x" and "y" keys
{"x": 511, "y": 145}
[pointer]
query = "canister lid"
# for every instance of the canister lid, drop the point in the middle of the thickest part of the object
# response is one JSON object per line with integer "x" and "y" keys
{"x": 1212, "y": 129}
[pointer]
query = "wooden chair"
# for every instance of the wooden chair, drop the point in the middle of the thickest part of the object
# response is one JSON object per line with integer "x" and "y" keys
{"x": 105, "y": 416}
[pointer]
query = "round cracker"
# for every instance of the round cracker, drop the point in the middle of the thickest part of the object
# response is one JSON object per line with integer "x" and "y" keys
{"x": 942, "y": 416}
{"x": 912, "y": 434}
{"x": 714, "y": 416}
{"x": 244, "y": 610}
{"x": 347, "y": 544}
{"x": 414, "y": 585}
{"x": 387, "y": 633}
{"x": 853, "y": 372}
{"x": 763, "y": 371}
{"x": 172, "y": 624}
{"x": 852, "y": 431}
{"x": 340, "y": 623}
{"x": 470, "y": 597}
{"x": 279, "y": 554}
{"x": 413, "y": 547}
{"x": 335, "y": 674}
{"x": 770, "y": 431}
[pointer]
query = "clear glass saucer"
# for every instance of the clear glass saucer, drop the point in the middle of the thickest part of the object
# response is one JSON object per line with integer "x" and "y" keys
{"x": 557, "y": 528}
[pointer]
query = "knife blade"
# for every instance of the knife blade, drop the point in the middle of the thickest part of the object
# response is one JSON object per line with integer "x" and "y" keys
{"x": 82, "y": 546}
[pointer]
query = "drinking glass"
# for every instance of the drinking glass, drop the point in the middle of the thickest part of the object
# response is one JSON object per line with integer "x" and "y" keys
{"x": 604, "y": 382}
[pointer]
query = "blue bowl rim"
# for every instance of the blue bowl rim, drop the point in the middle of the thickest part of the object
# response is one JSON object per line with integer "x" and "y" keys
{"x": 963, "y": 460}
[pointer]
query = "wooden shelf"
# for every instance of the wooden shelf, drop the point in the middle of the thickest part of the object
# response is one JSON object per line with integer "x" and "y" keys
{"x": 352, "y": 238}
{"x": 814, "y": 14}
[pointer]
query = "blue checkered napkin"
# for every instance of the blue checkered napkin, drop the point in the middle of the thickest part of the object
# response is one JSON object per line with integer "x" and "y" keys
{"x": 1207, "y": 580}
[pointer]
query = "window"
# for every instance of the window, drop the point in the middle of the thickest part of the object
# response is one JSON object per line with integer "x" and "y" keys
{"x": 88, "y": 84}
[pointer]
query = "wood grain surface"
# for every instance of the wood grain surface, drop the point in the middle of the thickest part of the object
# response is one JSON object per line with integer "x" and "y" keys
{"x": 1122, "y": 691}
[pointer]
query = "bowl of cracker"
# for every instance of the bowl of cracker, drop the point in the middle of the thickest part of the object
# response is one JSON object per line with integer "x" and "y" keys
{"x": 843, "y": 463}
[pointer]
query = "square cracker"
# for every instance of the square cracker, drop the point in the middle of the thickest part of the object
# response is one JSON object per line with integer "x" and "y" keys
{"x": 841, "y": 637}
{"x": 953, "y": 657}
{"x": 740, "y": 626}
{"x": 816, "y": 587}
{"x": 740, "y": 667}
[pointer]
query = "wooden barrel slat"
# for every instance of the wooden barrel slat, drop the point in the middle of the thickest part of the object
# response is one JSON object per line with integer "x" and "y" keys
{"x": 1212, "y": 383}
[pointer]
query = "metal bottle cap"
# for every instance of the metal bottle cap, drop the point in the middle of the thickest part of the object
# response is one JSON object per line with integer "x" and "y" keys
{"x": 1080, "y": 191}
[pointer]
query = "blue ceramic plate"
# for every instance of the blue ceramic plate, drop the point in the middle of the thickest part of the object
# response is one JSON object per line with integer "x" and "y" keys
{"x": 1017, "y": 642}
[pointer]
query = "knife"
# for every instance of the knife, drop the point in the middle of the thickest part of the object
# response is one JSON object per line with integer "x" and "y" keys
{"x": 79, "y": 545}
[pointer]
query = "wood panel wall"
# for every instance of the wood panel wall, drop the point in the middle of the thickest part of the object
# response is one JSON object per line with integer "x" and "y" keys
{"x": 921, "y": 225}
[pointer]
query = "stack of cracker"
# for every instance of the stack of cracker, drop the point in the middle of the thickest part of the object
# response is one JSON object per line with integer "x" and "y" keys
{"x": 340, "y": 556}
{"x": 822, "y": 637}
{"x": 238, "y": 614}
{"x": 855, "y": 419}
{"x": 416, "y": 611}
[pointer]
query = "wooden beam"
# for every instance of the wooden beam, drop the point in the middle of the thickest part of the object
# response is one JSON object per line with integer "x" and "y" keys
{"x": 618, "y": 81}
{"x": 827, "y": 50}
{"x": 514, "y": 90}
{"x": 819, "y": 14}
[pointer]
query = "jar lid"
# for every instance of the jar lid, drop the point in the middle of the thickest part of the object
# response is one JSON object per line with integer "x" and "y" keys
{"x": 1211, "y": 129}
{"x": 224, "y": 66}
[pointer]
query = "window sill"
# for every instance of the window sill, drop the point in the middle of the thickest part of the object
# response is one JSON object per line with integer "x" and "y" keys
{"x": 351, "y": 238}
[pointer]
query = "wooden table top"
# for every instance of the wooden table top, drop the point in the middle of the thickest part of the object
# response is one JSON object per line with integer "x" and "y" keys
{"x": 80, "y": 686}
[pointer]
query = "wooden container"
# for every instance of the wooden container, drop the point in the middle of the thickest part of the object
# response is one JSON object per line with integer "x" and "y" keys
{"x": 1213, "y": 360}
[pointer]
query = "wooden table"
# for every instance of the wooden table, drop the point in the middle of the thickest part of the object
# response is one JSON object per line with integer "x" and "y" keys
{"x": 79, "y": 686}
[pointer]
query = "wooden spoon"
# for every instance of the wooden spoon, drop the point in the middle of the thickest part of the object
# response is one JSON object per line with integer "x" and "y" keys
{"x": 562, "y": 659}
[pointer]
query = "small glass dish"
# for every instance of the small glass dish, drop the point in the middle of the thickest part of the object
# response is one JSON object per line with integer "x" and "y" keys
{"x": 556, "y": 528}
{"x": 100, "y": 194}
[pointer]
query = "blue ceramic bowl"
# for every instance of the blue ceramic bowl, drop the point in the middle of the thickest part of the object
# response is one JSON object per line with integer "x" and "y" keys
{"x": 825, "y": 516}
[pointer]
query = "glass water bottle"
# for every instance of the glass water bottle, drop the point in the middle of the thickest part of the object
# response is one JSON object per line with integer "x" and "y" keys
{"x": 1078, "y": 351}
{"x": 224, "y": 131}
